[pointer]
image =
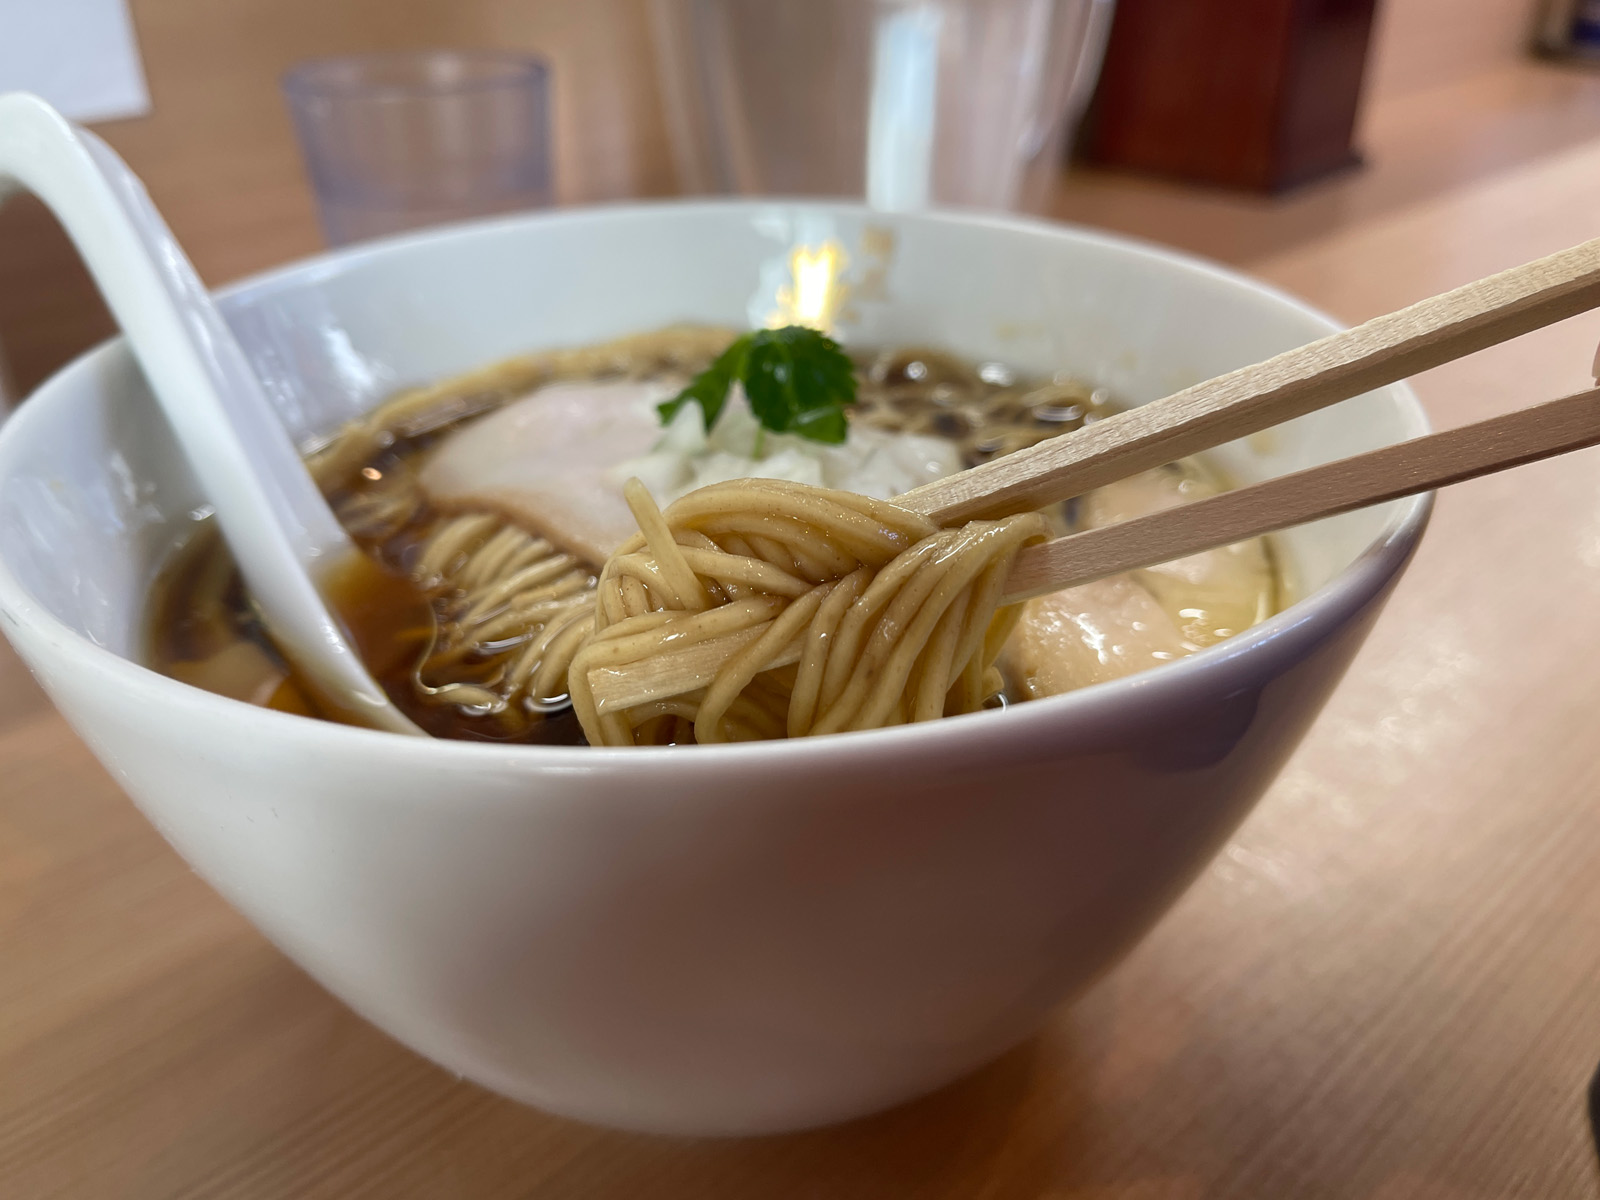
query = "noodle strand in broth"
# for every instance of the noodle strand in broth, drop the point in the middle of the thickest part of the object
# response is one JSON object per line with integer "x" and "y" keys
{"x": 517, "y": 610}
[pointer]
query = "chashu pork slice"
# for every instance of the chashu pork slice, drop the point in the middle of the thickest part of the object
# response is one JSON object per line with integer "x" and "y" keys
{"x": 547, "y": 461}
{"x": 1211, "y": 595}
{"x": 1102, "y": 630}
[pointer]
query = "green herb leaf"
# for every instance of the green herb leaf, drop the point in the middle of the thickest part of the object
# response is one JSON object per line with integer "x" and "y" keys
{"x": 709, "y": 389}
{"x": 823, "y": 425}
{"x": 797, "y": 380}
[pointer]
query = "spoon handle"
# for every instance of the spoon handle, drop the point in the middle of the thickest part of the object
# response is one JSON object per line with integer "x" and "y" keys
{"x": 1313, "y": 376}
{"x": 279, "y": 527}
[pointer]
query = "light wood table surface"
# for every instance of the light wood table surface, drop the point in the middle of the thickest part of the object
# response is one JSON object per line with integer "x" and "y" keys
{"x": 1386, "y": 987}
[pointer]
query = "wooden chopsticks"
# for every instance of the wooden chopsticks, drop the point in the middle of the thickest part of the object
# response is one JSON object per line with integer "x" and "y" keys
{"x": 1384, "y": 349}
{"x": 1404, "y": 469}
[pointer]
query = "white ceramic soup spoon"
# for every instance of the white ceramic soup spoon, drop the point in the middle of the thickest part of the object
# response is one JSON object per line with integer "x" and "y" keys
{"x": 281, "y": 531}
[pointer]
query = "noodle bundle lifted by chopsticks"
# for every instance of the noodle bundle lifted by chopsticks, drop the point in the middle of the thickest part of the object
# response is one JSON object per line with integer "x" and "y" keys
{"x": 848, "y": 613}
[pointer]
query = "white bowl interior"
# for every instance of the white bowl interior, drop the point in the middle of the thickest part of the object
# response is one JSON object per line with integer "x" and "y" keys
{"x": 95, "y": 494}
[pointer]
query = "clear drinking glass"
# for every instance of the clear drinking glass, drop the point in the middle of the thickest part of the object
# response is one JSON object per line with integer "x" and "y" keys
{"x": 397, "y": 141}
{"x": 909, "y": 103}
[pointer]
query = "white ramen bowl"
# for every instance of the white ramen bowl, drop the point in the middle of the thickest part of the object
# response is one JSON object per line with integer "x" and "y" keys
{"x": 729, "y": 939}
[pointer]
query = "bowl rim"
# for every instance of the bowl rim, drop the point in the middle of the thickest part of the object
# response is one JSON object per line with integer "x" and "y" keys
{"x": 969, "y": 737}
